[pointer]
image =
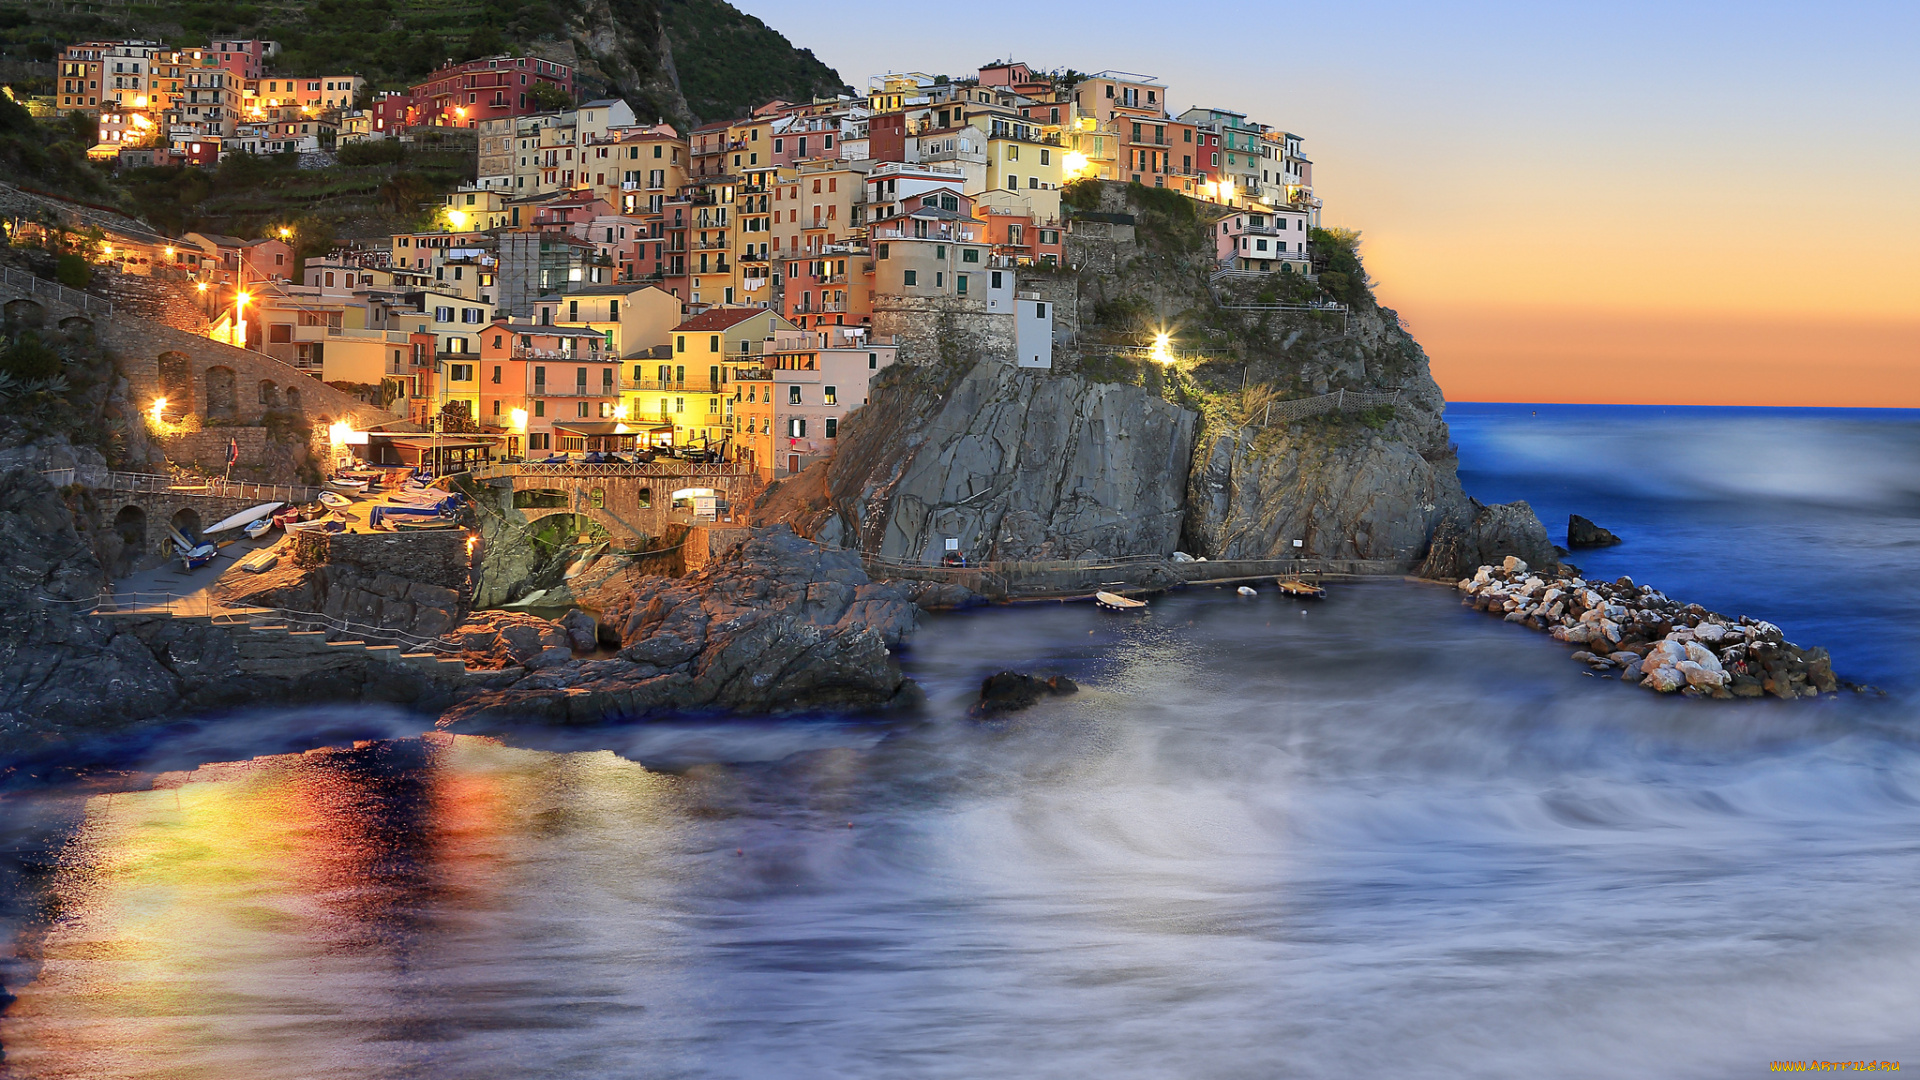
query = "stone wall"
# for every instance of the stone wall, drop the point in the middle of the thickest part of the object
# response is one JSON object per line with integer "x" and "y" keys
{"x": 207, "y": 448}
{"x": 930, "y": 329}
{"x": 436, "y": 558}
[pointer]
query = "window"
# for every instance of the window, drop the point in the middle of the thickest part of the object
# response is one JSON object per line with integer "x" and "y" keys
{"x": 581, "y": 410}
{"x": 797, "y": 428}
{"x": 793, "y": 395}
{"x": 443, "y": 314}
{"x": 880, "y": 251}
{"x": 496, "y": 406}
{"x": 971, "y": 255}
{"x": 496, "y": 374}
{"x": 939, "y": 280}
{"x": 613, "y": 311}
{"x": 833, "y": 428}
{"x": 996, "y": 279}
{"x": 280, "y": 333}
{"x": 680, "y": 343}
{"x": 460, "y": 372}
{"x": 940, "y": 253}
{"x": 873, "y": 361}
{"x": 911, "y": 278}
{"x": 573, "y": 307}
{"x": 470, "y": 315}
{"x": 538, "y": 440}
{"x": 1039, "y": 311}
{"x": 1046, "y": 156}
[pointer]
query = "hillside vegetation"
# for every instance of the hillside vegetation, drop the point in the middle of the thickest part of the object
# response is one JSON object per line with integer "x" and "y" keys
{"x": 727, "y": 61}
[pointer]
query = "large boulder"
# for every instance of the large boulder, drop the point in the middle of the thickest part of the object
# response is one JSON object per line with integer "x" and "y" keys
{"x": 1492, "y": 534}
{"x": 778, "y": 624}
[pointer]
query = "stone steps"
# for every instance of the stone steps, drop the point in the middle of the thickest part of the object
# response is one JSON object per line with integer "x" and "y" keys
{"x": 265, "y": 647}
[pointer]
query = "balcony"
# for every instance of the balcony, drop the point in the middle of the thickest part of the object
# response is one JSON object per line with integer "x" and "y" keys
{"x": 596, "y": 390}
{"x": 522, "y": 352}
{"x": 673, "y": 386}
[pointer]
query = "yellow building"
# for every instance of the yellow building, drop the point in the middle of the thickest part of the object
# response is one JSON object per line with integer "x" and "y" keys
{"x": 635, "y": 318}
{"x": 693, "y": 388}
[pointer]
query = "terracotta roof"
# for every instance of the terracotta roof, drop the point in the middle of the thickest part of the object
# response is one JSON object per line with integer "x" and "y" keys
{"x": 720, "y": 318}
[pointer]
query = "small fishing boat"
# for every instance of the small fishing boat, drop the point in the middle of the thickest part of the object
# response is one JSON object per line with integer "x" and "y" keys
{"x": 334, "y": 500}
{"x": 258, "y": 529}
{"x": 195, "y": 558}
{"x": 1304, "y": 590}
{"x": 316, "y": 525}
{"x": 1247, "y": 590}
{"x": 243, "y": 518}
{"x": 1116, "y": 602}
{"x": 423, "y": 526}
{"x": 342, "y": 483}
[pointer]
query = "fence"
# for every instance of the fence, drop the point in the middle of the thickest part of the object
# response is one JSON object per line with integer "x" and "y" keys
{"x": 1301, "y": 408}
{"x": 158, "y": 484}
{"x": 34, "y": 285}
{"x": 202, "y": 604}
{"x": 577, "y": 468}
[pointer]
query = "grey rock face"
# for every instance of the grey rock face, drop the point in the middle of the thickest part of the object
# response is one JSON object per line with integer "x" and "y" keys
{"x": 777, "y": 625}
{"x": 1490, "y": 535}
{"x": 1017, "y": 465}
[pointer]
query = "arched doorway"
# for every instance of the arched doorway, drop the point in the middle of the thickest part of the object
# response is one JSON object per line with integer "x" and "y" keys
{"x": 186, "y": 522}
{"x": 130, "y": 525}
{"x": 221, "y": 404}
{"x": 269, "y": 394}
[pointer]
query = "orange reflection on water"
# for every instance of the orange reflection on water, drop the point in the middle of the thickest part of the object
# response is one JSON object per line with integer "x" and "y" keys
{"x": 268, "y": 918}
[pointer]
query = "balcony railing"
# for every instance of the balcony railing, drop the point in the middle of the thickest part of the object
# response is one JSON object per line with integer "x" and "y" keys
{"x": 540, "y": 389}
{"x": 673, "y": 386}
{"x": 522, "y": 352}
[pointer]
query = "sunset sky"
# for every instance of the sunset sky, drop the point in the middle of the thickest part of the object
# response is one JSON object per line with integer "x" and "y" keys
{"x": 1671, "y": 202}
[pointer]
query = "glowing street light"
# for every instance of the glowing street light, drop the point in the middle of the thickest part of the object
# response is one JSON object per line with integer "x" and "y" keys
{"x": 159, "y": 407}
{"x": 519, "y": 418}
{"x": 1074, "y": 163}
{"x": 1161, "y": 354}
{"x": 240, "y": 319}
{"x": 285, "y": 233}
{"x": 457, "y": 218}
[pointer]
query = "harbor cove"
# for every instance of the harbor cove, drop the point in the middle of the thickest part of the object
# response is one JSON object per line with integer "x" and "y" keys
{"x": 555, "y": 540}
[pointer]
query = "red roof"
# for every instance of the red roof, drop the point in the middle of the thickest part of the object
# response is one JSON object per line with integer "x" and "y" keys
{"x": 720, "y": 318}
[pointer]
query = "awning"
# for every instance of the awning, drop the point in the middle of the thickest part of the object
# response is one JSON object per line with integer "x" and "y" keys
{"x": 600, "y": 428}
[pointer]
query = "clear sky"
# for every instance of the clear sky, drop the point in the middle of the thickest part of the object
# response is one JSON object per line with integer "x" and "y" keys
{"x": 1676, "y": 202}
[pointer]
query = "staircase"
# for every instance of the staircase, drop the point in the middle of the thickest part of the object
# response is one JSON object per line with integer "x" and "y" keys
{"x": 269, "y": 646}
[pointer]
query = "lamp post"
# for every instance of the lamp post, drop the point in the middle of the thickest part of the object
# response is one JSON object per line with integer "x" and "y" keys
{"x": 240, "y": 318}
{"x": 201, "y": 288}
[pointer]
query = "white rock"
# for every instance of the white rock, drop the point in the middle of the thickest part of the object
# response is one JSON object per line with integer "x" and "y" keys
{"x": 1513, "y": 564}
{"x": 1703, "y": 656}
{"x": 1699, "y": 675}
{"x": 1665, "y": 679}
{"x": 1557, "y": 609}
{"x": 1533, "y": 585}
{"x": 1711, "y": 633}
{"x": 1465, "y": 586}
{"x": 1483, "y": 575}
{"x": 1665, "y": 654}
{"x": 1609, "y": 629}
{"x": 1181, "y": 556}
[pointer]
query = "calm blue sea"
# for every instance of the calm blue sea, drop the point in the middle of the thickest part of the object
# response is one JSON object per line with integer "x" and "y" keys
{"x": 1809, "y": 518}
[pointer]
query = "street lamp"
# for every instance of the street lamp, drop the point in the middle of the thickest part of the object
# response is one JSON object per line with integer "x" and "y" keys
{"x": 240, "y": 319}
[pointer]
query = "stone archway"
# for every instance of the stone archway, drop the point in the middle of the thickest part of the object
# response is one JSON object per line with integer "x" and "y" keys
{"x": 176, "y": 381}
{"x": 293, "y": 397}
{"x": 269, "y": 394}
{"x": 24, "y": 312}
{"x": 77, "y": 327}
{"x": 186, "y": 522}
{"x": 130, "y": 525}
{"x": 221, "y": 403}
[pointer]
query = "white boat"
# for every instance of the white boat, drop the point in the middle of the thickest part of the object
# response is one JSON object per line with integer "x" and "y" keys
{"x": 259, "y": 528}
{"x": 1247, "y": 590}
{"x": 1116, "y": 602}
{"x": 341, "y": 483}
{"x": 244, "y": 517}
{"x": 335, "y": 500}
{"x": 325, "y": 524}
{"x": 420, "y": 497}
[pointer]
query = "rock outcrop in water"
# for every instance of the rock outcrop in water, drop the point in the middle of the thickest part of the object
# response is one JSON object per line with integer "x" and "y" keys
{"x": 1582, "y": 533}
{"x": 1652, "y": 640}
{"x": 777, "y": 625}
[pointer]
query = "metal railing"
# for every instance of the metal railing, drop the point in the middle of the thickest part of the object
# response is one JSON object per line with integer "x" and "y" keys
{"x": 156, "y": 484}
{"x": 725, "y": 469}
{"x": 1339, "y": 400}
{"x": 35, "y": 285}
{"x": 331, "y": 624}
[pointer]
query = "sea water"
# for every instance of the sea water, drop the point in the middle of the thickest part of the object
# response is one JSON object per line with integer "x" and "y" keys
{"x": 1377, "y": 835}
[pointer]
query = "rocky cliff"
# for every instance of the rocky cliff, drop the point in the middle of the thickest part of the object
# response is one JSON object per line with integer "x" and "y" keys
{"x": 1013, "y": 464}
{"x": 776, "y": 625}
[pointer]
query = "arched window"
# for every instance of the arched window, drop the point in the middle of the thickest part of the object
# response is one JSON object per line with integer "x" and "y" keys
{"x": 645, "y": 498}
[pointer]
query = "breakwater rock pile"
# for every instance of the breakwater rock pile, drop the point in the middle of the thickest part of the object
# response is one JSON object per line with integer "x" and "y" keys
{"x": 776, "y": 625}
{"x": 1650, "y": 639}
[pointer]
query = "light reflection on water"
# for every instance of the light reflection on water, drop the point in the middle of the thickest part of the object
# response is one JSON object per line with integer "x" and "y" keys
{"x": 1377, "y": 835}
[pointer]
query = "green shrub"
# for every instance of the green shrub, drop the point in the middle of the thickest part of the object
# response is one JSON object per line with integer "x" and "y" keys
{"x": 30, "y": 358}
{"x": 72, "y": 271}
{"x": 372, "y": 152}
